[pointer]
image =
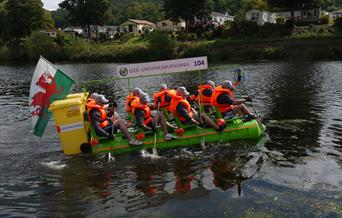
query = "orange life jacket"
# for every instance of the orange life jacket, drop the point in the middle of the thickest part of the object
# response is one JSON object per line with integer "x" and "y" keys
{"x": 161, "y": 95}
{"x": 129, "y": 99}
{"x": 204, "y": 98}
{"x": 230, "y": 93}
{"x": 91, "y": 105}
{"x": 173, "y": 107}
{"x": 217, "y": 92}
{"x": 137, "y": 105}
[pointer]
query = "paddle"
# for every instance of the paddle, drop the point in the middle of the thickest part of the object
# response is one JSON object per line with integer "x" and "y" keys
{"x": 245, "y": 90}
{"x": 154, "y": 150}
{"x": 113, "y": 126}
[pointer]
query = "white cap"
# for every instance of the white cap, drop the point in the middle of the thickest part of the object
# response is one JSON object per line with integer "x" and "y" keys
{"x": 227, "y": 83}
{"x": 183, "y": 90}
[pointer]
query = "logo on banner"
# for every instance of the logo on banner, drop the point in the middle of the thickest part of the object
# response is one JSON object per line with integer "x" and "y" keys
{"x": 123, "y": 71}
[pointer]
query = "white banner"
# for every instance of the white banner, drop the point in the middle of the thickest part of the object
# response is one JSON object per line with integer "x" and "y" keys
{"x": 161, "y": 67}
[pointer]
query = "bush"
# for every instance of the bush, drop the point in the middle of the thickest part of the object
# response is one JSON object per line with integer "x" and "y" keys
{"x": 243, "y": 28}
{"x": 162, "y": 46}
{"x": 312, "y": 31}
{"x": 280, "y": 20}
{"x": 217, "y": 32}
{"x": 4, "y": 53}
{"x": 208, "y": 35}
{"x": 338, "y": 23}
{"x": 40, "y": 44}
{"x": 64, "y": 38}
{"x": 325, "y": 19}
{"x": 125, "y": 37}
{"x": 193, "y": 49}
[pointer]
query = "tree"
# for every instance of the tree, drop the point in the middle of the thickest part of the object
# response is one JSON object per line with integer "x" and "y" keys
{"x": 145, "y": 10}
{"x": 188, "y": 10}
{"x": 88, "y": 12}
{"x": 258, "y": 4}
{"x": 60, "y": 18}
{"x": 25, "y": 16}
{"x": 3, "y": 22}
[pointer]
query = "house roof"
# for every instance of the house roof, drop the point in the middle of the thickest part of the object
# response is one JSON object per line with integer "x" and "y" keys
{"x": 337, "y": 11}
{"x": 144, "y": 22}
{"x": 173, "y": 20}
{"x": 218, "y": 14}
{"x": 49, "y": 30}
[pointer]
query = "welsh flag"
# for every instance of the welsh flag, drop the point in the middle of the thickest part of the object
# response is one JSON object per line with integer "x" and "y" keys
{"x": 48, "y": 84}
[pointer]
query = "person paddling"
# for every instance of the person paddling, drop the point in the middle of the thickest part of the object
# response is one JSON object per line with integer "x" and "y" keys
{"x": 222, "y": 98}
{"x": 144, "y": 119}
{"x": 98, "y": 116}
{"x": 133, "y": 96}
{"x": 163, "y": 97}
{"x": 203, "y": 94}
{"x": 180, "y": 107}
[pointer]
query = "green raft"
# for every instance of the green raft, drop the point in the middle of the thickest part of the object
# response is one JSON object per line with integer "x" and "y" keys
{"x": 193, "y": 135}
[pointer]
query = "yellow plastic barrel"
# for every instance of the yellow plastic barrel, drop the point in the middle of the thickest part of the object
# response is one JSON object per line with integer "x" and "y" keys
{"x": 68, "y": 116}
{"x": 81, "y": 95}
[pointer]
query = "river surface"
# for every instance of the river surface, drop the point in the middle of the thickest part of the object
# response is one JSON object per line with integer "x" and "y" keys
{"x": 294, "y": 171}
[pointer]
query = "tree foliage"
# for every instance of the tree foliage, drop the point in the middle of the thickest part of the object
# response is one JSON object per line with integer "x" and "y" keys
{"x": 145, "y": 10}
{"x": 87, "y": 12}
{"x": 188, "y": 10}
{"x": 258, "y": 4}
{"x": 151, "y": 10}
{"x": 25, "y": 16}
{"x": 60, "y": 18}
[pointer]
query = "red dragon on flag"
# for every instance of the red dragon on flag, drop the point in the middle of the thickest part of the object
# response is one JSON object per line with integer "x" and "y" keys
{"x": 48, "y": 84}
{"x": 41, "y": 99}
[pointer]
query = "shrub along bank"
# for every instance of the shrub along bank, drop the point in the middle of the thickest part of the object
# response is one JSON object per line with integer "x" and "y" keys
{"x": 162, "y": 46}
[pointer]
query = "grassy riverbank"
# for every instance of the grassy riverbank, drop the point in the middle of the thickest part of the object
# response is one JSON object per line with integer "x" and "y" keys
{"x": 141, "y": 49}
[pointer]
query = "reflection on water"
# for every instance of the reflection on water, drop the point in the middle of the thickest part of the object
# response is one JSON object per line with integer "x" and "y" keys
{"x": 295, "y": 171}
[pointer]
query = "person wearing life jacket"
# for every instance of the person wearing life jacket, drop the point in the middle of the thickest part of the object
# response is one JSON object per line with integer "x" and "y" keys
{"x": 142, "y": 112}
{"x": 102, "y": 123}
{"x": 232, "y": 86}
{"x": 163, "y": 97}
{"x": 133, "y": 96}
{"x": 203, "y": 94}
{"x": 226, "y": 104}
{"x": 180, "y": 107}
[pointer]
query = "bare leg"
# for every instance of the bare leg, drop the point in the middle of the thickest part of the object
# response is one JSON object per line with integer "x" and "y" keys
{"x": 162, "y": 122}
{"x": 209, "y": 121}
{"x": 116, "y": 116}
{"x": 241, "y": 109}
{"x": 169, "y": 125}
{"x": 120, "y": 124}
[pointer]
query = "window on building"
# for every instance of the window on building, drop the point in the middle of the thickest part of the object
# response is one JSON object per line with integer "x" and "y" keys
{"x": 254, "y": 16}
{"x": 164, "y": 24}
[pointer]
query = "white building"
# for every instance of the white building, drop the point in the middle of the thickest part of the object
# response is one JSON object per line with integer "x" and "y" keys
{"x": 51, "y": 32}
{"x": 132, "y": 25}
{"x": 336, "y": 14}
{"x": 109, "y": 31}
{"x": 175, "y": 25}
{"x": 260, "y": 17}
{"x": 73, "y": 30}
{"x": 219, "y": 18}
{"x": 306, "y": 15}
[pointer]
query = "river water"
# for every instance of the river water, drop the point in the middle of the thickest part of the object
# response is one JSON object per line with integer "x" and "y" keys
{"x": 294, "y": 171}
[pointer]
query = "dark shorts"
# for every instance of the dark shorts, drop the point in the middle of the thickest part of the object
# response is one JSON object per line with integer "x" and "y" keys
{"x": 228, "y": 114}
{"x": 150, "y": 124}
{"x": 108, "y": 128}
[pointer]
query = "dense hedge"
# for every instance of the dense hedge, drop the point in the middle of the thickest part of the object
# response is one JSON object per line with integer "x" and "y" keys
{"x": 311, "y": 43}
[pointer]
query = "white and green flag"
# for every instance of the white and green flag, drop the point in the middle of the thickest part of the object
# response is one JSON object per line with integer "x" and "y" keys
{"x": 48, "y": 84}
